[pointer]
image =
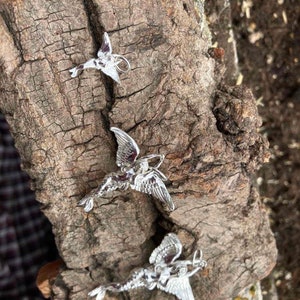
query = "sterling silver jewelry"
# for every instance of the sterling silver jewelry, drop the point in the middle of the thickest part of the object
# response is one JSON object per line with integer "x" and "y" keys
{"x": 107, "y": 62}
{"x": 165, "y": 272}
{"x": 134, "y": 173}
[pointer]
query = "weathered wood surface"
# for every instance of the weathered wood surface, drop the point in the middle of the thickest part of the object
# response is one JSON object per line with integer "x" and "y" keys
{"x": 172, "y": 103}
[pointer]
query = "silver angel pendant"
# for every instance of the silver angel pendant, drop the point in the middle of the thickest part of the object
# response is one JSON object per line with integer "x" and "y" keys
{"x": 136, "y": 173}
{"x": 165, "y": 272}
{"x": 107, "y": 62}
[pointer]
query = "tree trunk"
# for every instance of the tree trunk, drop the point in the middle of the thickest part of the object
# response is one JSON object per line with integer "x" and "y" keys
{"x": 172, "y": 103}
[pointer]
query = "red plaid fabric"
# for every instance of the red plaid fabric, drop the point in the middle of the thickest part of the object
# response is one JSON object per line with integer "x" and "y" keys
{"x": 26, "y": 240}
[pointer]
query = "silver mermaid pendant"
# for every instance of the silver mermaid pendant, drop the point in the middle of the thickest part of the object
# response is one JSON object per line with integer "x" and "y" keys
{"x": 165, "y": 272}
{"x": 107, "y": 62}
{"x": 135, "y": 173}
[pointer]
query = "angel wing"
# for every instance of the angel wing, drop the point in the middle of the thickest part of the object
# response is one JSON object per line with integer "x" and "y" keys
{"x": 152, "y": 184}
{"x": 110, "y": 70}
{"x": 105, "y": 46}
{"x": 168, "y": 251}
{"x": 87, "y": 202}
{"x": 99, "y": 292}
{"x": 128, "y": 150}
{"x": 178, "y": 286}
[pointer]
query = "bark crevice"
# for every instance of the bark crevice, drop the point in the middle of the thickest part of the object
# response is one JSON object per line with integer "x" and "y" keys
{"x": 97, "y": 30}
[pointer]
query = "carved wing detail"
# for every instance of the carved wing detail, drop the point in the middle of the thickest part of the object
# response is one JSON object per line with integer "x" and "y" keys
{"x": 112, "y": 182}
{"x": 168, "y": 251}
{"x": 152, "y": 184}
{"x": 105, "y": 46}
{"x": 128, "y": 150}
{"x": 110, "y": 70}
{"x": 99, "y": 292}
{"x": 178, "y": 286}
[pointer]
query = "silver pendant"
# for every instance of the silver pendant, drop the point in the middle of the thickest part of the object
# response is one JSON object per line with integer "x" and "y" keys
{"x": 165, "y": 272}
{"x": 107, "y": 62}
{"x": 134, "y": 173}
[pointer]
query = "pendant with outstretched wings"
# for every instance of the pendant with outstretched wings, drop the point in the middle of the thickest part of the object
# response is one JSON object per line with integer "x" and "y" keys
{"x": 165, "y": 272}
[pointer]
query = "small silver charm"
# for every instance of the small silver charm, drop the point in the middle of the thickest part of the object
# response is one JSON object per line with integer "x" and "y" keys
{"x": 165, "y": 272}
{"x": 107, "y": 62}
{"x": 134, "y": 173}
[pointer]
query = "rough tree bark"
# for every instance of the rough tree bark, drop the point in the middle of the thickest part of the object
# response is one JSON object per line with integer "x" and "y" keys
{"x": 172, "y": 103}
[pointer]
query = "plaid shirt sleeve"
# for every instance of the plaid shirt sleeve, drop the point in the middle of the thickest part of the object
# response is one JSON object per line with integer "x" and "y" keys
{"x": 26, "y": 241}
